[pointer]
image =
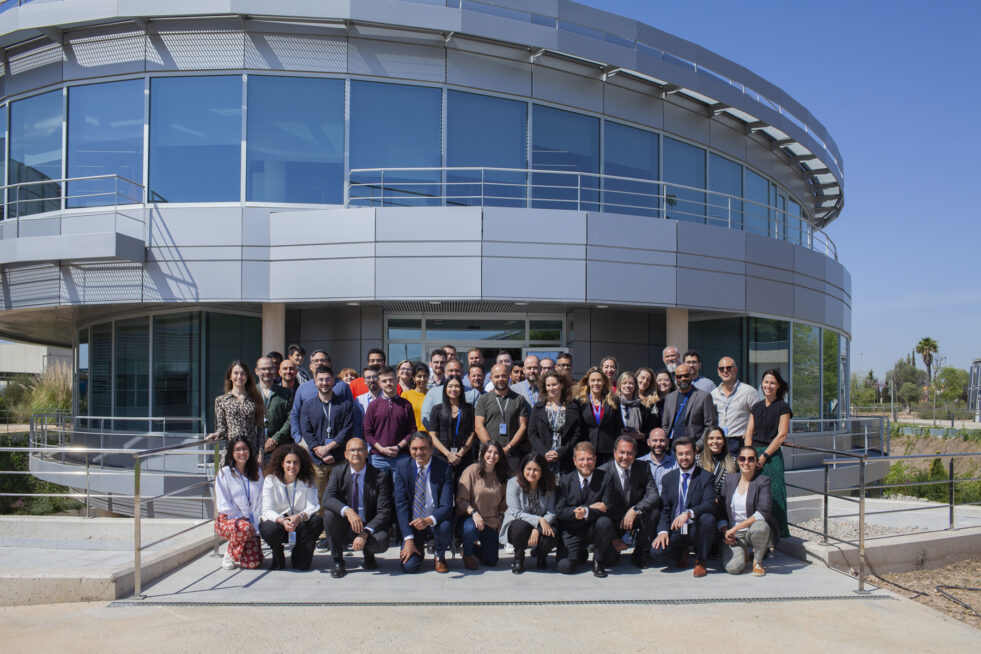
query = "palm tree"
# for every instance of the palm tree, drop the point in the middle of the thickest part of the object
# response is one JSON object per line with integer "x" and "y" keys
{"x": 925, "y": 348}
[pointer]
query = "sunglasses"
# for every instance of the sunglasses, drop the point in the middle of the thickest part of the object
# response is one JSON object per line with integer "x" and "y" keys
{"x": 746, "y": 459}
{"x": 725, "y": 368}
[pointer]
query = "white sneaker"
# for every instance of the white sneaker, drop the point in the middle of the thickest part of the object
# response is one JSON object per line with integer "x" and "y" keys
{"x": 227, "y": 563}
{"x": 509, "y": 549}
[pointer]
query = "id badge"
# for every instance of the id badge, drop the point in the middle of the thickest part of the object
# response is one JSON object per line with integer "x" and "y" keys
{"x": 725, "y": 431}
{"x": 454, "y": 450}
{"x": 502, "y": 429}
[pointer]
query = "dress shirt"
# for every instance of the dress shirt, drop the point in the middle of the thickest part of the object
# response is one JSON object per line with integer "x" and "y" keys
{"x": 276, "y": 496}
{"x": 734, "y": 410}
{"x": 620, "y": 473}
{"x": 530, "y": 392}
{"x": 362, "y": 401}
{"x": 658, "y": 470}
{"x": 430, "y": 503}
{"x": 361, "y": 513}
{"x": 238, "y": 497}
{"x": 703, "y": 384}
{"x": 588, "y": 481}
{"x": 435, "y": 396}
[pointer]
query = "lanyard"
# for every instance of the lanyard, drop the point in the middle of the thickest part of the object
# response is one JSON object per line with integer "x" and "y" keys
{"x": 291, "y": 499}
{"x": 459, "y": 414}
{"x": 681, "y": 408}
{"x": 597, "y": 413}
{"x": 503, "y": 409}
{"x": 327, "y": 411}
{"x": 248, "y": 495}
{"x": 266, "y": 400}
{"x": 725, "y": 407}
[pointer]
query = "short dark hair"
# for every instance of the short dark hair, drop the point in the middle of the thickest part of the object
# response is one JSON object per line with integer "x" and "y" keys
{"x": 692, "y": 353}
{"x": 682, "y": 440}
{"x": 450, "y": 346}
{"x": 564, "y": 355}
{"x": 624, "y": 439}
{"x": 385, "y": 370}
{"x": 438, "y": 351}
{"x": 376, "y": 368}
{"x": 420, "y": 435}
{"x": 323, "y": 369}
{"x": 377, "y": 350}
{"x": 293, "y": 347}
{"x": 274, "y": 355}
{"x": 324, "y": 352}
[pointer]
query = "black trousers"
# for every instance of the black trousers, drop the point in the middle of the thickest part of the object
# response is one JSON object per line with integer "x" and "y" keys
{"x": 644, "y": 528}
{"x": 338, "y": 531}
{"x": 306, "y": 537}
{"x": 575, "y": 537}
{"x": 701, "y": 533}
{"x": 519, "y": 532}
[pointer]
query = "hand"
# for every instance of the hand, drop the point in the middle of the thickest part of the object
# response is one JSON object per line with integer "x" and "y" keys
{"x": 320, "y": 451}
{"x": 551, "y": 456}
{"x": 329, "y": 460}
{"x": 546, "y": 528}
{"x": 760, "y": 462}
{"x": 290, "y": 523}
{"x": 598, "y": 506}
{"x": 661, "y": 542}
{"x": 506, "y": 449}
{"x": 391, "y": 451}
{"x": 618, "y": 545}
{"x": 359, "y": 542}
{"x": 579, "y": 512}
{"x": 628, "y": 520}
{"x": 270, "y": 445}
{"x": 730, "y": 537}
{"x": 478, "y": 520}
{"x": 533, "y": 539}
{"x": 680, "y": 521}
{"x": 421, "y": 524}
{"x": 213, "y": 436}
{"x": 453, "y": 458}
{"x": 357, "y": 526}
{"x": 408, "y": 550}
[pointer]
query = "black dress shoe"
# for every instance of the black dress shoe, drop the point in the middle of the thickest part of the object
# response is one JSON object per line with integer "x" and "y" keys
{"x": 640, "y": 562}
{"x": 518, "y": 566}
{"x": 598, "y": 570}
{"x": 542, "y": 560}
{"x": 369, "y": 561}
{"x": 338, "y": 570}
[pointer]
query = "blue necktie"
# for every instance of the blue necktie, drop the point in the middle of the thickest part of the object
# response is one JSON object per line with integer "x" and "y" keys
{"x": 419, "y": 497}
{"x": 684, "y": 493}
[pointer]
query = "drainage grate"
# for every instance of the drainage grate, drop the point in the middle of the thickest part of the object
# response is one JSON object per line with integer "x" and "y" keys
{"x": 640, "y": 602}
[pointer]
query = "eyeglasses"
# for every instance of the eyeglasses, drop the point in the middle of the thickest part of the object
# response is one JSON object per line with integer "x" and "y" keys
{"x": 746, "y": 459}
{"x": 725, "y": 368}
{"x": 688, "y": 376}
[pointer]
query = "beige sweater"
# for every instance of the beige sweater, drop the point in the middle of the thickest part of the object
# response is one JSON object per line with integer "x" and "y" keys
{"x": 485, "y": 495}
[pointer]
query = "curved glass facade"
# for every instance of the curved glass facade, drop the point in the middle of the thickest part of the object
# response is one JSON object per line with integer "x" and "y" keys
{"x": 297, "y": 135}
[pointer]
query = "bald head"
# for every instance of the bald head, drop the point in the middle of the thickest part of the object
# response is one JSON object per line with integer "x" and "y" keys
{"x": 500, "y": 376}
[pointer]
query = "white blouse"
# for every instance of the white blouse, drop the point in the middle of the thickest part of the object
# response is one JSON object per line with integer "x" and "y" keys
{"x": 279, "y": 498}
{"x": 238, "y": 497}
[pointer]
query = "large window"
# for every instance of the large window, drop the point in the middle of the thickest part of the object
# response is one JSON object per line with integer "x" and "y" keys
{"x": 3, "y": 160}
{"x": 82, "y": 373}
{"x": 295, "y": 147}
{"x": 228, "y": 338}
{"x": 832, "y": 362}
{"x": 484, "y": 131}
{"x": 769, "y": 347}
{"x": 570, "y": 143}
{"x": 714, "y": 339}
{"x": 756, "y": 215}
{"x": 35, "y": 153}
{"x": 195, "y": 139}
{"x": 132, "y": 371}
{"x": 100, "y": 371}
{"x": 396, "y": 126}
{"x": 726, "y": 177}
{"x": 806, "y": 382}
{"x": 176, "y": 366}
{"x": 684, "y": 165}
{"x": 629, "y": 152}
{"x": 105, "y": 137}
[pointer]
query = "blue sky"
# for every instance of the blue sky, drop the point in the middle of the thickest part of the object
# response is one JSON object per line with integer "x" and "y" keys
{"x": 896, "y": 84}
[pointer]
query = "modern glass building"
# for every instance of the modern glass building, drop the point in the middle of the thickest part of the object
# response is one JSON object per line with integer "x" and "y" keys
{"x": 223, "y": 177}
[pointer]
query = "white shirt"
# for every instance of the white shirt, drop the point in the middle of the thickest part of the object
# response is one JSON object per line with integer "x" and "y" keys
{"x": 360, "y": 479}
{"x": 430, "y": 503}
{"x": 734, "y": 410}
{"x": 237, "y": 497}
{"x": 365, "y": 399}
{"x": 279, "y": 498}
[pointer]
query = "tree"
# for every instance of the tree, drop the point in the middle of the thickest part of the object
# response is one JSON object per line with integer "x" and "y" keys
{"x": 926, "y": 349}
{"x": 904, "y": 372}
{"x": 952, "y": 384}
{"x": 863, "y": 393}
{"x": 909, "y": 393}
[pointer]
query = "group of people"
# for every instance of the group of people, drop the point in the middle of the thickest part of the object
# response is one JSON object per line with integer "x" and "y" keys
{"x": 660, "y": 463}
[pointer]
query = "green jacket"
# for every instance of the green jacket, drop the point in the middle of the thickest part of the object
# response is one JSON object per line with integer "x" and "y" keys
{"x": 278, "y": 416}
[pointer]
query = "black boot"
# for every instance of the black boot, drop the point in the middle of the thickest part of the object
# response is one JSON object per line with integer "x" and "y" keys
{"x": 278, "y": 558}
{"x": 518, "y": 566}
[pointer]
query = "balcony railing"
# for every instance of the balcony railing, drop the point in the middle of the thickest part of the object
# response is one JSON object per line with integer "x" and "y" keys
{"x": 576, "y": 191}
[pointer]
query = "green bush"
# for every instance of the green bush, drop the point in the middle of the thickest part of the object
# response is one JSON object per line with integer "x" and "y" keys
{"x": 17, "y": 461}
{"x": 902, "y": 472}
{"x": 26, "y": 395}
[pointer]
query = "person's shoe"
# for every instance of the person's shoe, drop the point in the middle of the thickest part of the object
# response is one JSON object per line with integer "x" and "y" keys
{"x": 322, "y": 545}
{"x": 338, "y": 570}
{"x": 369, "y": 561}
{"x": 227, "y": 563}
{"x": 598, "y": 569}
{"x": 639, "y": 561}
{"x": 682, "y": 562}
{"x": 470, "y": 562}
{"x": 542, "y": 560}
{"x": 509, "y": 549}
{"x": 278, "y": 561}
{"x": 700, "y": 570}
{"x": 758, "y": 570}
{"x": 518, "y": 565}
{"x": 441, "y": 566}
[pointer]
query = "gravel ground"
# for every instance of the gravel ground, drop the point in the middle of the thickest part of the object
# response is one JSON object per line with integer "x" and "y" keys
{"x": 921, "y": 585}
{"x": 848, "y": 529}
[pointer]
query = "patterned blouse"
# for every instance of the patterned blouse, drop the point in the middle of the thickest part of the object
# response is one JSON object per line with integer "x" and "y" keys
{"x": 234, "y": 418}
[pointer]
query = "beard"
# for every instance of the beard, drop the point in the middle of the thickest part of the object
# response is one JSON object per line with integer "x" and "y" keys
{"x": 671, "y": 367}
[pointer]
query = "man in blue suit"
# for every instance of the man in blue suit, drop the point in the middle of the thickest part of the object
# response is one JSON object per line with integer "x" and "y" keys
{"x": 423, "y": 503}
{"x": 688, "y": 511}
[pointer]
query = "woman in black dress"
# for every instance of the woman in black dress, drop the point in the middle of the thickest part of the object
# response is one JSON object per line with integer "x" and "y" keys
{"x": 452, "y": 427}
{"x": 769, "y": 424}
{"x": 600, "y": 413}
{"x": 555, "y": 424}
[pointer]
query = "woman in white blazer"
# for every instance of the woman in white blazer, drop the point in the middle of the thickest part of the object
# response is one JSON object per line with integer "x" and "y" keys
{"x": 290, "y": 507}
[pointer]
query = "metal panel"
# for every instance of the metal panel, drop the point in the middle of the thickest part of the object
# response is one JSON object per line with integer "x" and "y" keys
{"x": 620, "y": 230}
{"x": 192, "y": 281}
{"x": 686, "y": 123}
{"x": 701, "y": 288}
{"x": 626, "y": 255}
{"x": 33, "y": 68}
{"x": 613, "y": 326}
{"x": 726, "y": 139}
{"x": 485, "y": 72}
{"x": 195, "y": 46}
{"x": 529, "y": 278}
{"x": 105, "y": 282}
{"x": 769, "y": 251}
{"x": 396, "y": 60}
{"x": 609, "y": 282}
{"x": 711, "y": 241}
{"x": 534, "y": 226}
{"x": 255, "y": 281}
{"x": 299, "y": 52}
{"x": 392, "y": 280}
{"x": 567, "y": 88}
{"x": 713, "y": 264}
{"x": 30, "y": 285}
{"x": 426, "y": 224}
{"x": 322, "y": 226}
{"x": 174, "y": 226}
{"x": 110, "y": 51}
{"x": 808, "y": 305}
{"x": 319, "y": 279}
{"x": 769, "y": 296}
{"x": 644, "y": 108}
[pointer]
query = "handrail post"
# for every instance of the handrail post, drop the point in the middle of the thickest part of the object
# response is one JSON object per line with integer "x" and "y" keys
{"x": 827, "y": 493}
{"x": 88, "y": 501}
{"x": 137, "y": 537}
{"x": 950, "y": 494}
{"x": 579, "y": 192}
{"x": 861, "y": 526}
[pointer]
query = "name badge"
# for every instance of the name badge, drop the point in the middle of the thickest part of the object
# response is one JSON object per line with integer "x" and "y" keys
{"x": 725, "y": 431}
{"x": 454, "y": 450}
{"x": 502, "y": 429}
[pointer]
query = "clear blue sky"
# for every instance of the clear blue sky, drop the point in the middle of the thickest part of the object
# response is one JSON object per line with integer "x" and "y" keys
{"x": 897, "y": 85}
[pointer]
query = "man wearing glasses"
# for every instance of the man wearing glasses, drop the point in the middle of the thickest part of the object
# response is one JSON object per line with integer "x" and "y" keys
{"x": 733, "y": 402}
{"x": 688, "y": 411}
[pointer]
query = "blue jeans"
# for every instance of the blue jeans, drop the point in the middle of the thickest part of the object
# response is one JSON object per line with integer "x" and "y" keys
{"x": 486, "y": 548}
{"x": 442, "y": 533}
{"x": 386, "y": 463}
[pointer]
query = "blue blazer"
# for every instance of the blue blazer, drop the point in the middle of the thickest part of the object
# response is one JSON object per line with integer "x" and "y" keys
{"x": 440, "y": 482}
{"x": 701, "y": 495}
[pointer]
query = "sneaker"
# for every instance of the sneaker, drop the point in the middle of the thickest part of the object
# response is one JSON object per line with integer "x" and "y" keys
{"x": 509, "y": 549}
{"x": 758, "y": 570}
{"x": 322, "y": 545}
{"x": 227, "y": 563}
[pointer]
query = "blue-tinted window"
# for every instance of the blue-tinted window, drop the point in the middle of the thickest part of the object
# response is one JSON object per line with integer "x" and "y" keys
{"x": 3, "y": 162}
{"x": 35, "y": 153}
{"x": 295, "y": 149}
{"x": 796, "y": 228}
{"x": 105, "y": 137}
{"x": 567, "y": 142}
{"x": 132, "y": 369}
{"x": 725, "y": 178}
{"x": 629, "y": 152}
{"x": 756, "y": 216}
{"x": 395, "y": 126}
{"x": 684, "y": 165}
{"x": 486, "y": 132}
{"x": 195, "y": 139}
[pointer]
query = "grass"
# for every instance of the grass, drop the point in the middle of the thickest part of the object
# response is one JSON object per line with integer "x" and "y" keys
{"x": 17, "y": 461}
{"x": 26, "y": 395}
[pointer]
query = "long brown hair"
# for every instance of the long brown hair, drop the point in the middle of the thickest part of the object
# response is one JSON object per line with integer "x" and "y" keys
{"x": 607, "y": 397}
{"x": 250, "y": 388}
{"x": 708, "y": 462}
{"x": 275, "y": 465}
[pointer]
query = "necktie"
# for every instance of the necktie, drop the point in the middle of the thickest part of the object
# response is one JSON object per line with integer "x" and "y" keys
{"x": 584, "y": 488}
{"x": 684, "y": 489}
{"x": 626, "y": 484}
{"x": 355, "y": 495}
{"x": 419, "y": 497}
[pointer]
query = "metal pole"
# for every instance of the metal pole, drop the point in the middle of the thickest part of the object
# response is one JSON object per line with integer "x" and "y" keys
{"x": 214, "y": 495}
{"x": 88, "y": 505}
{"x": 861, "y": 526}
{"x": 137, "y": 537}
{"x": 827, "y": 493}
{"x": 950, "y": 494}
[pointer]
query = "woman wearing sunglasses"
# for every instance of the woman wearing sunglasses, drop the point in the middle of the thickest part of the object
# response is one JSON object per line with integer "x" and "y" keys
{"x": 750, "y": 524}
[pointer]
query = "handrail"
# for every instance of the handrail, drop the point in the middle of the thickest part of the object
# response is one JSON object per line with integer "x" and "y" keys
{"x": 179, "y": 446}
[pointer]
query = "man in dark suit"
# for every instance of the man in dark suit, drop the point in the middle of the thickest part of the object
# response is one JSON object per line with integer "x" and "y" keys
{"x": 688, "y": 411}
{"x": 687, "y": 513}
{"x": 423, "y": 503}
{"x": 357, "y": 508}
{"x": 636, "y": 512}
{"x": 584, "y": 500}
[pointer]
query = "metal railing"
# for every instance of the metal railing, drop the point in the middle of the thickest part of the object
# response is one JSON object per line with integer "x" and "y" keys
{"x": 866, "y": 434}
{"x": 578, "y": 191}
{"x": 28, "y": 206}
